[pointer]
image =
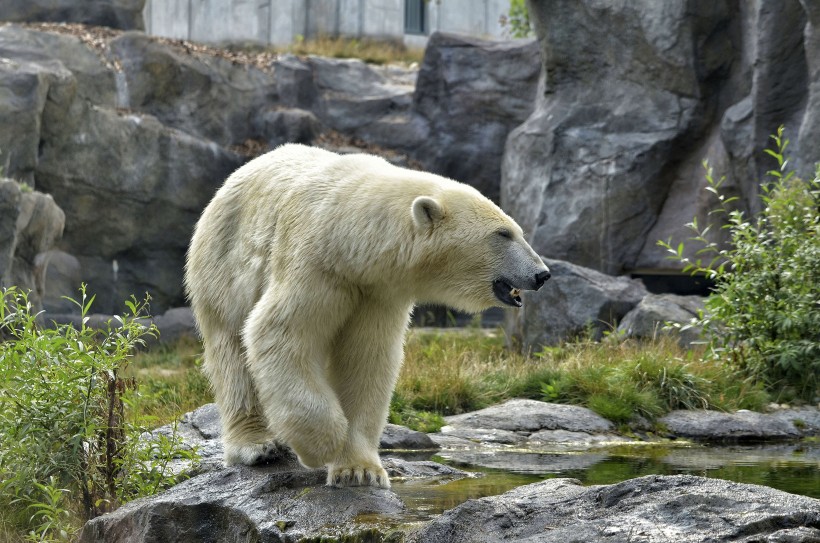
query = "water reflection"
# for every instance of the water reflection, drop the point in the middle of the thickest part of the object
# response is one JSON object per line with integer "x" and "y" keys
{"x": 792, "y": 468}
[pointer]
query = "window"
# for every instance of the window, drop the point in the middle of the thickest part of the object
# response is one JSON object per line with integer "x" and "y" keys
{"x": 415, "y": 16}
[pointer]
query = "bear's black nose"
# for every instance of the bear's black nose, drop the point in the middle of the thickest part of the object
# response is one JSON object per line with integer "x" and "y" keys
{"x": 541, "y": 278}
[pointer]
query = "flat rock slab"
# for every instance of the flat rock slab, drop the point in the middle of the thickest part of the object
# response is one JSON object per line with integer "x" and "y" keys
{"x": 277, "y": 503}
{"x": 740, "y": 426}
{"x": 529, "y": 416}
{"x": 683, "y": 509}
{"x": 202, "y": 429}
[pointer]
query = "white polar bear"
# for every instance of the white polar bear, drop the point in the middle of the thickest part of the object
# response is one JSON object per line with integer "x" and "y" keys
{"x": 302, "y": 273}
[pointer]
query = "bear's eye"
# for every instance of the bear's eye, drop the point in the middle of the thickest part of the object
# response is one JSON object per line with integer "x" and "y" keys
{"x": 504, "y": 233}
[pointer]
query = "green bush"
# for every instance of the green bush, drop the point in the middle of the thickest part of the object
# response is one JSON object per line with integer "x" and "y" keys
{"x": 764, "y": 312}
{"x": 68, "y": 448}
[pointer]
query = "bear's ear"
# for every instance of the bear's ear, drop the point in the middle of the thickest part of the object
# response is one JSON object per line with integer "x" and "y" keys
{"x": 427, "y": 212}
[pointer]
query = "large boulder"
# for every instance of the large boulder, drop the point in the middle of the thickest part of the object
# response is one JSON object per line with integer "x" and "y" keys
{"x": 124, "y": 14}
{"x": 574, "y": 302}
{"x": 633, "y": 98}
{"x": 683, "y": 508}
{"x": 472, "y": 93}
{"x": 30, "y": 225}
{"x": 657, "y": 315}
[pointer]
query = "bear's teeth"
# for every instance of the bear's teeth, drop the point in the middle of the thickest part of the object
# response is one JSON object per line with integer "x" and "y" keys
{"x": 515, "y": 293}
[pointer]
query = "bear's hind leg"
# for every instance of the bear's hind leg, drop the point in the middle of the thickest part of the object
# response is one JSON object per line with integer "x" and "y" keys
{"x": 245, "y": 433}
{"x": 365, "y": 364}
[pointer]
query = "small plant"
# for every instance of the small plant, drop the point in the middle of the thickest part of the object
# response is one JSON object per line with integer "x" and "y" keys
{"x": 517, "y": 20}
{"x": 764, "y": 313}
{"x": 69, "y": 449}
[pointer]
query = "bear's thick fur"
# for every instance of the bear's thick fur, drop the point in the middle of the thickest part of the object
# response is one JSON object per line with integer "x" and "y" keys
{"x": 302, "y": 273}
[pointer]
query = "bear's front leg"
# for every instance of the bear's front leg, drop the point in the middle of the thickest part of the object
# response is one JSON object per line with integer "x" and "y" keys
{"x": 287, "y": 352}
{"x": 365, "y": 364}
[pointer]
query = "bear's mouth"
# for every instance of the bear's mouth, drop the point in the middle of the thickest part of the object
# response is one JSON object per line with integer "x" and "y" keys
{"x": 507, "y": 293}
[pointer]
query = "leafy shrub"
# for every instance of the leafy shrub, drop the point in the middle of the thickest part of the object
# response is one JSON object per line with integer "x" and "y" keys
{"x": 67, "y": 445}
{"x": 764, "y": 312}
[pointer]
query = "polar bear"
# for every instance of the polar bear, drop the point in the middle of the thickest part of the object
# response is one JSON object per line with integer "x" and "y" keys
{"x": 302, "y": 273}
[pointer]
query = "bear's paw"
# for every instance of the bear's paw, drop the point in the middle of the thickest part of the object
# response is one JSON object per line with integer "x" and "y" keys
{"x": 364, "y": 474}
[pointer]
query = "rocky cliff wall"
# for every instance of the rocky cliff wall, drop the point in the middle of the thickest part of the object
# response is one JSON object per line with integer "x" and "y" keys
{"x": 633, "y": 97}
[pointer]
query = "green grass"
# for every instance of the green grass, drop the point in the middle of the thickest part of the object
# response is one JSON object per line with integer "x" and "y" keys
{"x": 456, "y": 372}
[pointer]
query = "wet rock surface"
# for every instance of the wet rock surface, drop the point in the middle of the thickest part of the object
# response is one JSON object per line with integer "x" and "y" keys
{"x": 652, "y": 509}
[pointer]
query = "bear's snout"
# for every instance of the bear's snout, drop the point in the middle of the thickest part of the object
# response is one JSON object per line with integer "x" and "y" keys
{"x": 541, "y": 278}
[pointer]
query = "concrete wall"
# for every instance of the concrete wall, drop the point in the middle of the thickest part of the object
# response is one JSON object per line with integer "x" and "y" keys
{"x": 279, "y": 22}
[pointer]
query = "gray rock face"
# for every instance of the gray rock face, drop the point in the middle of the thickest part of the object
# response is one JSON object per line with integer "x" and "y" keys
{"x": 205, "y": 96}
{"x": 575, "y": 301}
{"x": 124, "y": 14}
{"x": 648, "y": 319}
{"x": 472, "y": 93}
{"x": 739, "y": 426}
{"x": 632, "y": 99}
{"x": 131, "y": 226}
{"x": 654, "y": 509}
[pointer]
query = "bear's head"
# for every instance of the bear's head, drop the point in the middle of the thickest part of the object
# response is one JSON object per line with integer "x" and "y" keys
{"x": 475, "y": 255}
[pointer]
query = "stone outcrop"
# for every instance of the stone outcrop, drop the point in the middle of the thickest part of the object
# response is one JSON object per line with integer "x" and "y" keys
{"x": 680, "y": 508}
{"x": 633, "y": 98}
